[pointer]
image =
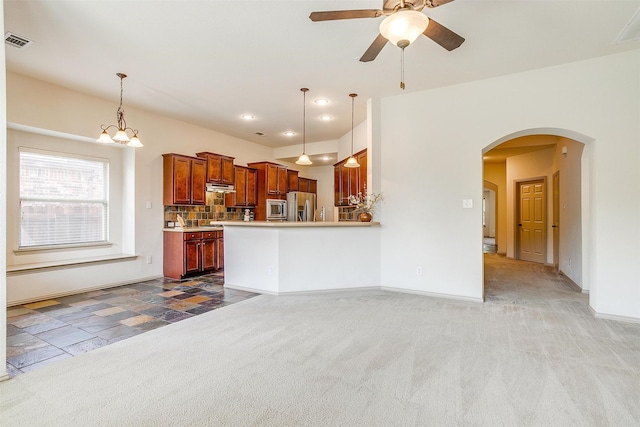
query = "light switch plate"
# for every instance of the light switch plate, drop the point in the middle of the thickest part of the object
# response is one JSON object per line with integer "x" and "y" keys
{"x": 467, "y": 203}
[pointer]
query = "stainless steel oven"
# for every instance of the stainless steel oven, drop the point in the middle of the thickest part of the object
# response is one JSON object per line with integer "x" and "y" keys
{"x": 276, "y": 210}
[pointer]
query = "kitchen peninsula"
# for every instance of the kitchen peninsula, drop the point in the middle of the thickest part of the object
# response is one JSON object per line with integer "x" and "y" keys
{"x": 291, "y": 257}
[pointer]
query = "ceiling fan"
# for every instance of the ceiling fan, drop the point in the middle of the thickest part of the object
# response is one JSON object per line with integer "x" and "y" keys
{"x": 403, "y": 24}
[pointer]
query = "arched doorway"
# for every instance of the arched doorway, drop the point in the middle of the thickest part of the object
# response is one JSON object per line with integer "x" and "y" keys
{"x": 556, "y": 156}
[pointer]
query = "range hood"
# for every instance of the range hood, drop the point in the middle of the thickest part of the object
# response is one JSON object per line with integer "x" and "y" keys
{"x": 220, "y": 188}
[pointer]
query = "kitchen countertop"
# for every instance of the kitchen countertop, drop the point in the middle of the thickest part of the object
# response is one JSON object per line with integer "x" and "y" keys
{"x": 292, "y": 224}
{"x": 194, "y": 229}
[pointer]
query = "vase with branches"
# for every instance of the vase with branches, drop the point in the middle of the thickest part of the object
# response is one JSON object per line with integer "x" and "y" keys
{"x": 365, "y": 204}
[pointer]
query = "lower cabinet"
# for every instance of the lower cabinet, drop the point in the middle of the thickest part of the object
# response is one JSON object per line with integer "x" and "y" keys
{"x": 192, "y": 252}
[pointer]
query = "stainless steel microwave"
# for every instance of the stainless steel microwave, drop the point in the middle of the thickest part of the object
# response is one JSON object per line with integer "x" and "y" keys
{"x": 276, "y": 210}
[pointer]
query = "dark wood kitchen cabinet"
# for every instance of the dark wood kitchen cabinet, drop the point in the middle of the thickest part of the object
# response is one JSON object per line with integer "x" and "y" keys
{"x": 292, "y": 178}
{"x": 272, "y": 178}
{"x": 350, "y": 181}
{"x": 220, "y": 168}
{"x": 192, "y": 252}
{"x": 184, "y": 180}
{"x": 308, "y": 185}
{"x": 246, "y": 186}
{"x": 272, "y": 184}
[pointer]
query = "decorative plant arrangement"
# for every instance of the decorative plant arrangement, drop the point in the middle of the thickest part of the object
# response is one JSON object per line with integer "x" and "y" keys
{"x": 365, "y": 204}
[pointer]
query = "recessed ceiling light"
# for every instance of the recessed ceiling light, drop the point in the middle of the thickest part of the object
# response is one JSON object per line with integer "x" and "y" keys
{"x": 326, "y": 117}
{"x": 321, "y": 101}
{"x": 289, "y": 133}
{"x": 248, "y": 116}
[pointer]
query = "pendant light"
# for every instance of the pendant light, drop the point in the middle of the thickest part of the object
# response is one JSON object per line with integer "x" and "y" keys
{"x": 121, "y": 136}
{"x": 304, "y": 159}
{"x": 351, "y": 161}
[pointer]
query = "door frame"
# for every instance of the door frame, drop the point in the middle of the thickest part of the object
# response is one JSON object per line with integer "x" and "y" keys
{"x": 516, "y": 211}
{"x": 555, "y": 220}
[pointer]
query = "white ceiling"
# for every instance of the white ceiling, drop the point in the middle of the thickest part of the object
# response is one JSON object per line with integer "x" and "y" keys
{"x": 208, "y": 62}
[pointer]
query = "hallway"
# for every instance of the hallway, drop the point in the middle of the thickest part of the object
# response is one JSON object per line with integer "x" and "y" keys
{"x": 509, "y": 281}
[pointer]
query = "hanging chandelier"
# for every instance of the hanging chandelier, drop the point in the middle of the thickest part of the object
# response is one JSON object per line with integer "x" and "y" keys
{"x": 121, "y": 136}
{"x": 304, "y": 159}
{"x": 351, "y": 161}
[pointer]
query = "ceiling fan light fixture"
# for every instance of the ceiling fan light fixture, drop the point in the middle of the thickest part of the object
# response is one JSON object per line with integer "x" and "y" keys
{"x": 404, "y": 27}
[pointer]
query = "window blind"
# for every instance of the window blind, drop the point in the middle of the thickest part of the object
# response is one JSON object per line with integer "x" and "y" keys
{"x": 64, "y": 199}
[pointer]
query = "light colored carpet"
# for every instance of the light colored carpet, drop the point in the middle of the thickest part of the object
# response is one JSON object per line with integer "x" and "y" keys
{"x": 351, "y": 359}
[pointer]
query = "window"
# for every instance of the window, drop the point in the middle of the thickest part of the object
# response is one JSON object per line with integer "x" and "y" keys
{"x": 64, "y": 199}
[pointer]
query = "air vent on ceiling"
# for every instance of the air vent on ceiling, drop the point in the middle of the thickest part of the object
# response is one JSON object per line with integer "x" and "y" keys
{"x": 631, "y": 31}
{"x": 15, "y": 40}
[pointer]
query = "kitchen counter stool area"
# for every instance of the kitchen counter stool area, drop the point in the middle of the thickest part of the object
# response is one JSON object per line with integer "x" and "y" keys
{"x": 44, "y": 332}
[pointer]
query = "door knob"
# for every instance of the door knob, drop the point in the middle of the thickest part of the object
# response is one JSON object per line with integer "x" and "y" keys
{"x": 519, "y": 225}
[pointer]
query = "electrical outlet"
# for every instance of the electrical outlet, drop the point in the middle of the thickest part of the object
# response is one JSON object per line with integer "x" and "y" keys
{"x": 467, "y": 203}
{"x": 569, "y": 261}
{"x": 149, "y": 260}
{"x": 270, "y": 270}
{"x": 148, "y": 205}
{"x": 419, "y": 271}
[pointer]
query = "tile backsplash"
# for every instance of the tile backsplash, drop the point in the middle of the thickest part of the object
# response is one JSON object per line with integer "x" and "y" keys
{"x": 195, "y": 216}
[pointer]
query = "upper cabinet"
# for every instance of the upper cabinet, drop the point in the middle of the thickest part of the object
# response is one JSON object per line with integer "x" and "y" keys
{"x": 184, "y": 180}
{"x": 219, "y": 168}
{"x": 350, "y": 181}
{"x": 293, "y": 180}
{"x": 272, "y": 179}
{"x": 308, "y": 185}
{"x": 245, "y": 183}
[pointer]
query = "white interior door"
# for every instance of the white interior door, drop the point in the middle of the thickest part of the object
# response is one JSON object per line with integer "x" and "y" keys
{"x": 531, "y": 223}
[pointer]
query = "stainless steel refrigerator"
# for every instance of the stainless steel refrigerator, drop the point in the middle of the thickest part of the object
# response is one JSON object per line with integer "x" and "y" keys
{"x": 301, "y": 206}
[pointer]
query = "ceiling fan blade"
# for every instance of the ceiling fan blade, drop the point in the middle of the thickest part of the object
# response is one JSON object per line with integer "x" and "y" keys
{"x": 344, "y": 14}
{"x": 374, "y": 49}
{"x": 442, "y": 35}
{"x": 436, "y": 3}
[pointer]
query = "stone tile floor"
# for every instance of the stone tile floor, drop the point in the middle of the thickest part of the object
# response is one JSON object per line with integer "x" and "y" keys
{"x": 44, "y": 332}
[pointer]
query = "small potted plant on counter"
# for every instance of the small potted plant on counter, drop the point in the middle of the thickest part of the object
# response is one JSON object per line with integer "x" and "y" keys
{"x": 365, "y": 205}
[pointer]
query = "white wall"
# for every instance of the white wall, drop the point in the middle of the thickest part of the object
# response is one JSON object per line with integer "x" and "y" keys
{"x": 3, "y": 208}
{"x": 571, "y": 207}
{"x": 598, "y": 98}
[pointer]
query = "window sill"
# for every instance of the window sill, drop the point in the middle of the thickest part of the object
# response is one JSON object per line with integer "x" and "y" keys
{"x": 57, "y": 265}
{"x": 36, "y": 249}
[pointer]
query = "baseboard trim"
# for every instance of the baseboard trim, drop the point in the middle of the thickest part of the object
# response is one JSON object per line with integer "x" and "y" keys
{"x": 365, "y": 288}
{"x": 4, "y": 377}
{"x": 614, "y": 317}
{"x": 573, "y": 284}
{"x": 318, "y": 291}
{"x": 79, "y": 291}
{"x": 432, "y": 294}
{"x": 246, "y": 289}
